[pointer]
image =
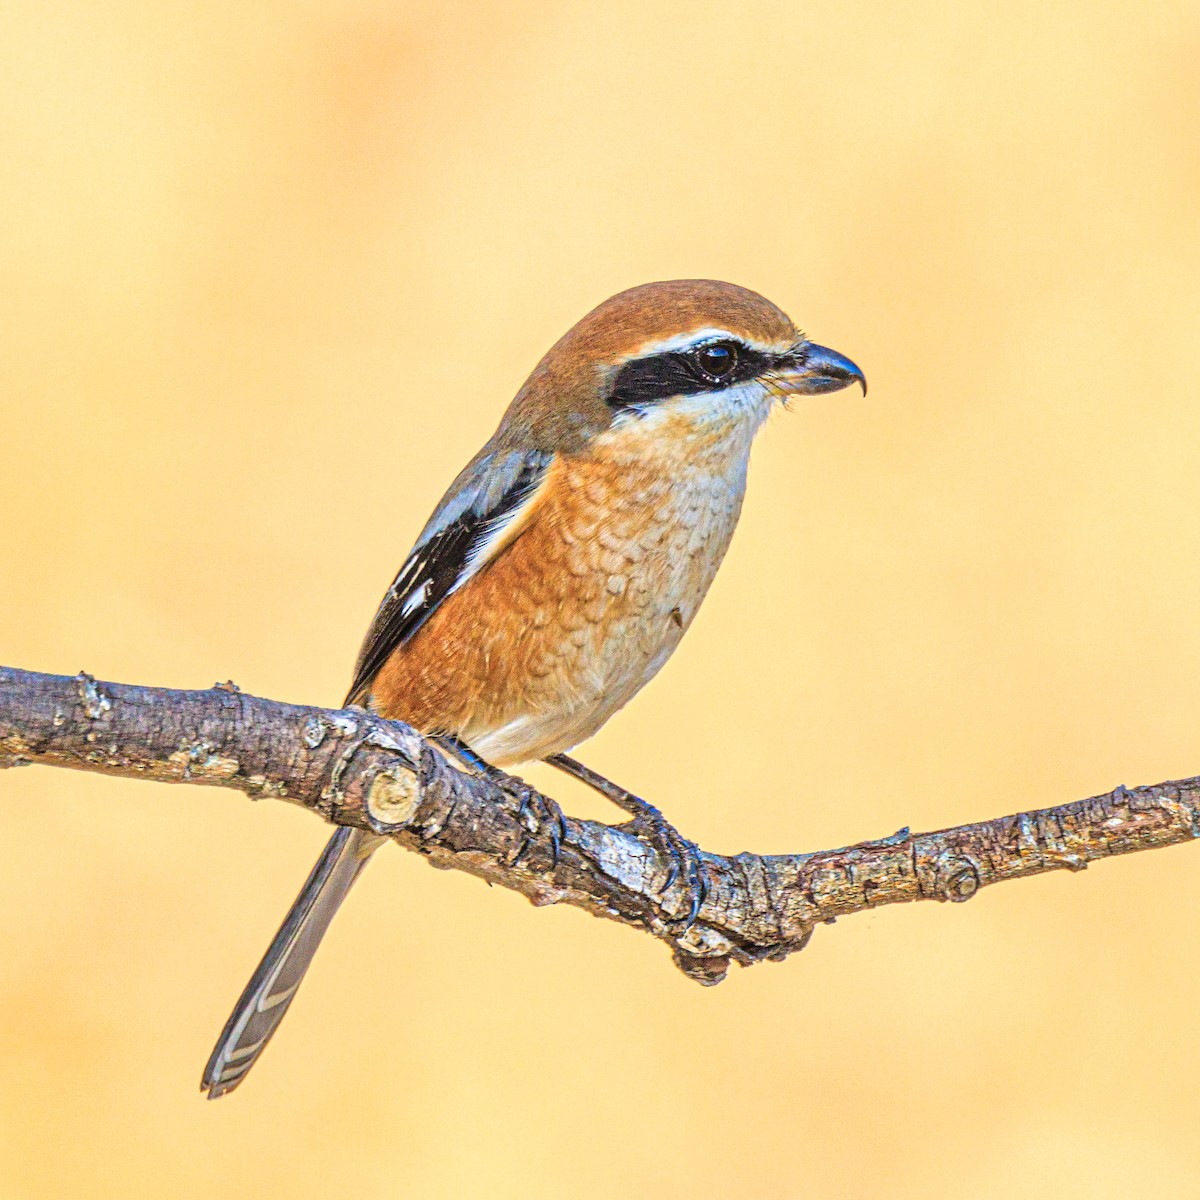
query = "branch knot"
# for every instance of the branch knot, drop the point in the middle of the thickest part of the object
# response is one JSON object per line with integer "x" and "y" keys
{"x": 957, "y": 876}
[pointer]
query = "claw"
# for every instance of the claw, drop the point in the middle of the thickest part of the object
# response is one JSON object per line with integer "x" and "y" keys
{"x": 699, "y": 895}
{"x": 672, "y": 875}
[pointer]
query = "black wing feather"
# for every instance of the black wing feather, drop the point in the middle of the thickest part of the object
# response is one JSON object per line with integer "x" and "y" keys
{"x": 435, "y": 567}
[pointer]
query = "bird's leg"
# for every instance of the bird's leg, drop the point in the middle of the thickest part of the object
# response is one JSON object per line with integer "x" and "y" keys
{"x": 681, "y": 855}
{"x": 459, "y": 749}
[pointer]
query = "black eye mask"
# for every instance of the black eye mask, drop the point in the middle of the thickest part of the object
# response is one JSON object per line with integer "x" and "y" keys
{"x": 708, "y": 367}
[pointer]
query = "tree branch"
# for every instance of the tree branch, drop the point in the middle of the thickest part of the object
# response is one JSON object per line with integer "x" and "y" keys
{"x": 356, "y": 769}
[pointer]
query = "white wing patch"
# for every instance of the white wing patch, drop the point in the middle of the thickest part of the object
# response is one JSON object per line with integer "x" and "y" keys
{"x": 416, "y": 598}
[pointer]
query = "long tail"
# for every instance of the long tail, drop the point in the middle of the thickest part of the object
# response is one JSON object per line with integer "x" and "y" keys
{"x": 261, "y": 1006}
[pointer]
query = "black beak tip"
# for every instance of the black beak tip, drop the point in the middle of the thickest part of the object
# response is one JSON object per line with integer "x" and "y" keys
{"x": 830, "y": 371}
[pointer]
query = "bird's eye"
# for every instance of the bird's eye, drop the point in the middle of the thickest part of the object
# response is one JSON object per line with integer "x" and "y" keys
{"x": 716, "y": 360}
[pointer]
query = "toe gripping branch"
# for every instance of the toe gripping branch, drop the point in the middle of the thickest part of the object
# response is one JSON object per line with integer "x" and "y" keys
{"x": 535, "y": 811}
{"x": 684, "y": 864}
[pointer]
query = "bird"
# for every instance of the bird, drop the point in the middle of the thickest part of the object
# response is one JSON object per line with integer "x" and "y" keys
{"x": 561, "y": 569}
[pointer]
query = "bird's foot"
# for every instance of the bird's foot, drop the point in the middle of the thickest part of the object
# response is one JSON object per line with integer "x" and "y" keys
{"x": 684, "y": 865}
{"x": 535, "y": 812}
{"x": 681, "y": 856}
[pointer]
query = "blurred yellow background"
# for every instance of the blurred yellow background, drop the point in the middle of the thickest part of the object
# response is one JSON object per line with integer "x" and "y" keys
{"x": 270, "y": 274}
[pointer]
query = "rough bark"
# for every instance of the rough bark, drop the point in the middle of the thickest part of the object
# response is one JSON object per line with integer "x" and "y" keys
{"x": 356, "y": 769}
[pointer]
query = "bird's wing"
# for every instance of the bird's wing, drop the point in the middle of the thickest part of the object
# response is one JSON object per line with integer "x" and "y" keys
{"x": 478, "y": 517}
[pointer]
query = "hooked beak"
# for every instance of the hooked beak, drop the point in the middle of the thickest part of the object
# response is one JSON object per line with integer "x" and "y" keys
{"x": 815, "y": 369}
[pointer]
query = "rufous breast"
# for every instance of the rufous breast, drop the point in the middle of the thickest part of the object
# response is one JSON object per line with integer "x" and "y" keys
{"x": 579, "y": 611}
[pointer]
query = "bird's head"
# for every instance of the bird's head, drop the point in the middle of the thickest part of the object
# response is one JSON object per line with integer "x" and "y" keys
{"x": 695, "y": 353}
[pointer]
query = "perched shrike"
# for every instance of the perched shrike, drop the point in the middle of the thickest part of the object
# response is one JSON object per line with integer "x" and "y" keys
{"x": 562, "y": 567}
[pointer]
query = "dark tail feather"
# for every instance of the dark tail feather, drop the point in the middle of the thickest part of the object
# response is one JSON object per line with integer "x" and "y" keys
{"x": 258, "y": 1012}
